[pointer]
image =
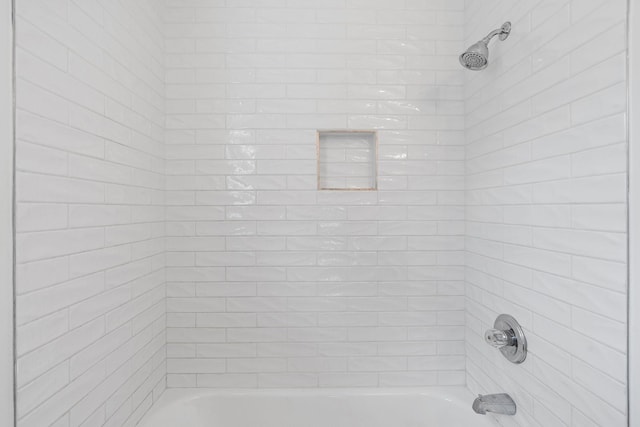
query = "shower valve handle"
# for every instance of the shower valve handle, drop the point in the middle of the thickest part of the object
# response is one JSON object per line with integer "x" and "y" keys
{"x": 499, "y": 338}
{"x": 507, "y": 336}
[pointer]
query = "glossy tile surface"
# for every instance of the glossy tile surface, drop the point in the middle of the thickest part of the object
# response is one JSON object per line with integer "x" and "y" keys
{"x": 546, "y": 208}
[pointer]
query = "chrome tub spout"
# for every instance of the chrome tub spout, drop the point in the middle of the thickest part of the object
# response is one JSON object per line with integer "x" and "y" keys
{"x": 495, "y": 403}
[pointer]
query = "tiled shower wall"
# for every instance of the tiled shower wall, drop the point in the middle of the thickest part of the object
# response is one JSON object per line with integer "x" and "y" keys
{"x": 546, "y": 200}
{"x": 275, "y": 284}
{"x": 272, "y": 283}
{"x": 90, "y": 214}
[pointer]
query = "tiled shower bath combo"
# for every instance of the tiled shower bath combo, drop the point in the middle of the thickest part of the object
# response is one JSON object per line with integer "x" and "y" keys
{"x": 231, "y": 201}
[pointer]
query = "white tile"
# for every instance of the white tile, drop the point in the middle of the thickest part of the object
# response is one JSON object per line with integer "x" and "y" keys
{"x": 184, "y": 151}
{"x": 33, "y": 364}
{"x": 44, "y": 387}
{"x": 41, "y": 217}
{"x": 38, "y": 332}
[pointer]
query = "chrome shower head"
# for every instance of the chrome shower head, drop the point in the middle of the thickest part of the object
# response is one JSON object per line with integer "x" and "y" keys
{"x": 476, "y": 58}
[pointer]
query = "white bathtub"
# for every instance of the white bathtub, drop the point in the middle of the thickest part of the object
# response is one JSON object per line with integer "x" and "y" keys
{"x": 439, "y": 407}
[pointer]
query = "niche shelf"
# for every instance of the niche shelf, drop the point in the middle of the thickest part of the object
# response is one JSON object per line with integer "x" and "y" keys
{"x": 347, "y": 160}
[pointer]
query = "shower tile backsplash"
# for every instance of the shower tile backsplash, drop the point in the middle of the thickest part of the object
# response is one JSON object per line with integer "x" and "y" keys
{"x": 546, "y": 208}
{"x": 170, "y": 231}
{"x": 272, "y": 283}
{"x": 90, "y": 280}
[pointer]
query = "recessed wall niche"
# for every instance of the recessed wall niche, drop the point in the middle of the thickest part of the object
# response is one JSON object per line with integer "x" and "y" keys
{"x": 347, "y": 160}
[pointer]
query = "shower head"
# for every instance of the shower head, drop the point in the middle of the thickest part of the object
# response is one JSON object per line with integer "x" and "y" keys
{"x": 476, "y": 58}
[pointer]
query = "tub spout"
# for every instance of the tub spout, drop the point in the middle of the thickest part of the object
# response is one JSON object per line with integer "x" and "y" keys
{"x": 494, "y": 403}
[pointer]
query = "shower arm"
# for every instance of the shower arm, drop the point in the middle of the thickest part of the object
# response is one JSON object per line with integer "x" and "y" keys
{"x": 503, "y": 32}
{"x": 491, "y": 35}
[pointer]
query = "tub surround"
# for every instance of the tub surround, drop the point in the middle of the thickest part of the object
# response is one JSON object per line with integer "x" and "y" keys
{"x": 272, "y": 283}
{"x": 546, "y": 208}
{"x": 90, "y": 211}
{"x": 171, "y": 234}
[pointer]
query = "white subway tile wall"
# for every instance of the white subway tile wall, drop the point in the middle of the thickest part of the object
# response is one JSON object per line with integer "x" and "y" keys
{"x": 546, "y": 208}
{"x": 169, "y": 222}
{"x": 91, "y": 314}
{"x": 272, "y": 283}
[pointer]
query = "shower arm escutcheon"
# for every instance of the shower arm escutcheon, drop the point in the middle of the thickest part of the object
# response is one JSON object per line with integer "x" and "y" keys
{"x": 508, "y": 336}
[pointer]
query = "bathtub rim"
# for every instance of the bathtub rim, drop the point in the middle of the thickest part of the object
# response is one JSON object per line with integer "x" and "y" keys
{"x": 457, "y": 395}
{"x": 451, "y": 393}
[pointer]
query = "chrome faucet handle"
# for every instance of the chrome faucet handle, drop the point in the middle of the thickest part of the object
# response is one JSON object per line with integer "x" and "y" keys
{"x": 508, "y": 336}
{"x": 498, "y": 338}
